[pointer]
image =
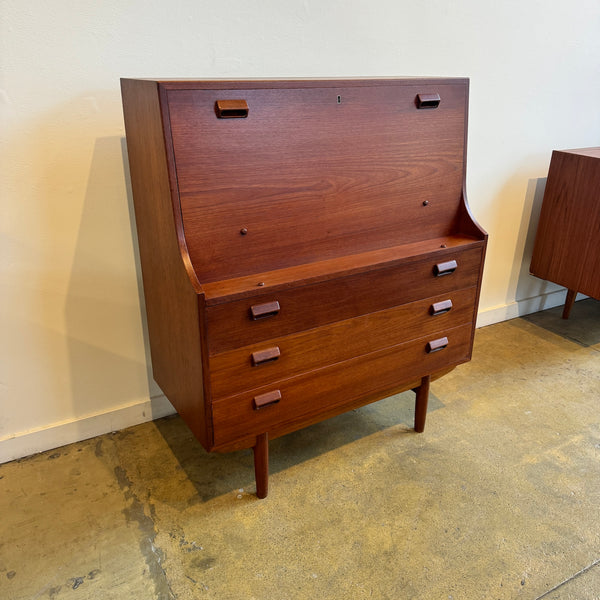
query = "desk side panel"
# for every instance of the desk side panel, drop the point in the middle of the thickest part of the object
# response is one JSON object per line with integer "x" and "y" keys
{"x": 173, "y": 297}
{"x": 589, "y": 199}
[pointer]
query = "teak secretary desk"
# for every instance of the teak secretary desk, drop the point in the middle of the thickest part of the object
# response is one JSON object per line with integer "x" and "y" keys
{"x": 306, "y": 247}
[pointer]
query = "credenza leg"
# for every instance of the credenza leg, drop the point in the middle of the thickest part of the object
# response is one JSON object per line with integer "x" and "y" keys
{"x": 569, "y": 303}
{"x": 261, "y": 465}
{"x": 422, "y": 393}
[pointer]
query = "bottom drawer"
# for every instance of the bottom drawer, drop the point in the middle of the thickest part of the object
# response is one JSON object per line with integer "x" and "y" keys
{"x": 288, "y": 404}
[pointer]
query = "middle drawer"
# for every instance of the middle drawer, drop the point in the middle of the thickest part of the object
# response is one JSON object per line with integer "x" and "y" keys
{"x": 286, "y": 356}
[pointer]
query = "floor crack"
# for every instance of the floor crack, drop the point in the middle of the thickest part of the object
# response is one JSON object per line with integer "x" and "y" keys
{"x": 584, "y": 570}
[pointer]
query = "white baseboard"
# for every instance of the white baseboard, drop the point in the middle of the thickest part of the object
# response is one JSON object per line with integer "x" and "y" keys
{"x": 523, "y": 307}
{"x": 75, "y": 430}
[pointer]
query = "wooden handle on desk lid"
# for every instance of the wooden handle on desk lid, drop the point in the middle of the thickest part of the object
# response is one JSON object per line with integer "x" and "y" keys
{"x": 231, "y": 109}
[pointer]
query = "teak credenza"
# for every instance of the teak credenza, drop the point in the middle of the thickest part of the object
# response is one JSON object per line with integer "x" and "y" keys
{"x": 567, "y": 242}
{"x": 306, "y": 247}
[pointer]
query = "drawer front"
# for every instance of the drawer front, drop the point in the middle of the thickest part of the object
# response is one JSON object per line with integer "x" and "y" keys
{"x": 283, "y": 357}
{"x": 230, "y": 325}
{"x": 292, "y": 403}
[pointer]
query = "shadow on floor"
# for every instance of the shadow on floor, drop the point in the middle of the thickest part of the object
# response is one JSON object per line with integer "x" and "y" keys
{"x": 215, "y": 474}
{"x": 577, "y": 327}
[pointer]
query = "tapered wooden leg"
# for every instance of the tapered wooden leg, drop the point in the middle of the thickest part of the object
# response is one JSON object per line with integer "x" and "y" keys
{"x": 569, "y": 303}
{"x": 422, "y": 393}
{"x": 261, "y": 465}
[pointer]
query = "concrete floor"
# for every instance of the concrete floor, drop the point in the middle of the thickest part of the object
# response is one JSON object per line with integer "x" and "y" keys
{"x": 498, "y": 499}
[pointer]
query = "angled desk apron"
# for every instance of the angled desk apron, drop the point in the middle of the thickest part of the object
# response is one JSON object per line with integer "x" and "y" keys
{"x": 306, "y": 247}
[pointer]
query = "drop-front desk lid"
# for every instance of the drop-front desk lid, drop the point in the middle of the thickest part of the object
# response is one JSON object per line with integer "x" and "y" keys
{"x": 273, "y": 175}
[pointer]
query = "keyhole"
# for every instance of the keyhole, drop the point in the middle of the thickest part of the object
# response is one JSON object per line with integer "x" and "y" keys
{"x": 339, "y": 99}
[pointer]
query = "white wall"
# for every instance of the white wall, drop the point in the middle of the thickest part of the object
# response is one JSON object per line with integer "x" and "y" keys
{"x": 72, "y": 356}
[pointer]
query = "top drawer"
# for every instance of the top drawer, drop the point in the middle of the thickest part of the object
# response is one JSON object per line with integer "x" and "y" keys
{"x": 231, "y": 325}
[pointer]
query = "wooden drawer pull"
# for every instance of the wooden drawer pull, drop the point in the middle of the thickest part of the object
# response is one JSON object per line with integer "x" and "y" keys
{"x": 436, "y": 345}
{"x": 428, "y": 100}
{"x": 439, "y": 308}
{"x": 445, "y": 268}
{"x": 265, "y": 356}
{"x": 267, "y": 399}
{"x": 231, "y": 109}
{"x": 262, "y": 311}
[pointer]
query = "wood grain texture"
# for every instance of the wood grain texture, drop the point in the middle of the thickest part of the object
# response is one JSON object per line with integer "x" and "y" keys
{"x": 332, "y": 388}
{"x": 299, "y": 82}
{"x": 311, "y": 178}
{"x": 315, "y": 305}
{"x": 233, "y": 371}
{"x": 567, "y": 244}
{"x": 435, "y": 249}
{"x": 331, "y": 411}
{"x": 173, "y": 305}
{"x": 289, "y": 252}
